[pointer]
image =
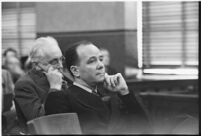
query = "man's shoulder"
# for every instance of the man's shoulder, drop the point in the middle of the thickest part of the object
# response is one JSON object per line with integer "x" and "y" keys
{"x": 24, "y": 80}
{"x": 73, "y": 89}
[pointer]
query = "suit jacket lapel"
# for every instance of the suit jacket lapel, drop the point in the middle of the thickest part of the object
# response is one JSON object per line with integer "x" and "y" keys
{"x": 41, "y": 81}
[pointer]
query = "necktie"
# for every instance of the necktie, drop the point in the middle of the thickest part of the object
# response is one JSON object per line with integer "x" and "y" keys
{"x": 95, "y": 93}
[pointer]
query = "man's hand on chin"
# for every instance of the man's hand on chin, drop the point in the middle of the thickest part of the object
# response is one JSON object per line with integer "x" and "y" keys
{"x": 116, "y": 83}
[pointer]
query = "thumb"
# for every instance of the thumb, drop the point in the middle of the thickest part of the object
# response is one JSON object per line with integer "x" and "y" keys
{"x": 50, "y": 69}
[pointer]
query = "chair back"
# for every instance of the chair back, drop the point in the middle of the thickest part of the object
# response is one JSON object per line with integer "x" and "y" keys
{"x": 63, "y": 123}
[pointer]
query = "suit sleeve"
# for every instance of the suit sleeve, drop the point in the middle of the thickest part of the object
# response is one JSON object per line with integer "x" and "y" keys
{"x": 135, "y": 111}
{"x": 131, "y": 103}
{"x": 28, "y": 100}
{"x": 57, "y": 102}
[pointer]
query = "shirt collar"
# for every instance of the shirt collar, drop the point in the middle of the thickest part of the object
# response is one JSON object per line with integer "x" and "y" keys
{"x": 84, "y": 87}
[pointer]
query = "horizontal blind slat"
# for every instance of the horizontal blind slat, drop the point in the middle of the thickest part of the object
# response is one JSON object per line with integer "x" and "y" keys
{"x": 168, "y": 32}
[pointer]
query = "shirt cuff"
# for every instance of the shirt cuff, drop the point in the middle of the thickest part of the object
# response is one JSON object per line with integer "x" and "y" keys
{"x": 53, "y": 90}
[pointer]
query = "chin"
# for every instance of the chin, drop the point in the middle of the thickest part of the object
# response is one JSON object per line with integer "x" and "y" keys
{"x": 100, "y": 80}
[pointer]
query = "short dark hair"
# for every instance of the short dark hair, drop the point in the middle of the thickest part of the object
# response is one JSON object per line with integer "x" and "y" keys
{"x": 71, "y": 56}
{"x": 9, "y": 49}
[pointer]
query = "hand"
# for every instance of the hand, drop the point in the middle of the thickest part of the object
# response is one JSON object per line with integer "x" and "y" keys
{"x": 116, "y": 83}
{"x": 54, "y": 78}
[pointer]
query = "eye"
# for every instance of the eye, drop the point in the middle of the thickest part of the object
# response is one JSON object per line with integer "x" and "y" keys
{"x": 92, "y": 60}
{"x": 101, "y": 59}
{"x": 53, "y": 62}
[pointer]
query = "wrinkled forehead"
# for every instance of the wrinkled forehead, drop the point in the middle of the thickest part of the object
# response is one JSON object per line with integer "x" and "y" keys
{"x": 87, "y": 51}
{"x": 105, "y": 52}
{"x": 52, "y": 52}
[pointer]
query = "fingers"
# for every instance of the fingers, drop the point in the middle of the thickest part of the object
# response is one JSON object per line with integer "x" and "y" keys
{"x": 116, "y": 83}
{"x": 114, "y": 80}
{"x": 50, "y": 68}
{"x": 119, "y": 77}
{"x": 107, "y": 80}
{"x": 111, "y": 80}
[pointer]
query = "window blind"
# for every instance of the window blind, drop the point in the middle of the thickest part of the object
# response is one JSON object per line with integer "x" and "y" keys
{"x": 170, "y": 34}
{"x": 18, "y": 26}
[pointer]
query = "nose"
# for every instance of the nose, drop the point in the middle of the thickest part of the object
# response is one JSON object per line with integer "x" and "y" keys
{"x": 100, "y": 65}
{"x": 60, "y": 65}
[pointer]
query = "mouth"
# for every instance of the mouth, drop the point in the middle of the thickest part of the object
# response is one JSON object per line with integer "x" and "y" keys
{"x": 100, "y": 74}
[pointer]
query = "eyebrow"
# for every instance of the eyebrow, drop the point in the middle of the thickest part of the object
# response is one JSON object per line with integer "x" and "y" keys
{"x": 93, "y": 57}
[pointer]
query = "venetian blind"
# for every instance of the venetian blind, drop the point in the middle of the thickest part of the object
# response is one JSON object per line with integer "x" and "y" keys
{"x": 170, "y": 34}
{"x": 18, "y": 26}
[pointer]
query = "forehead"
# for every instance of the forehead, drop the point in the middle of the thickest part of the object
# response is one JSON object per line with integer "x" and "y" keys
{"x": 87, "y": 51}
{"x": 105, "y": 52}
{"x": 52, "y": 52}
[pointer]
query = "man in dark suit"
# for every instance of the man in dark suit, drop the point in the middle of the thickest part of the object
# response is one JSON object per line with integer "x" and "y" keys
{"x": 84, "y": 61}
{"x": 32, "y": 89}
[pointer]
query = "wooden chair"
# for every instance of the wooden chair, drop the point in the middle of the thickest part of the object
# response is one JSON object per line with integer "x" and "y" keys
{"x": 64, "y": 123}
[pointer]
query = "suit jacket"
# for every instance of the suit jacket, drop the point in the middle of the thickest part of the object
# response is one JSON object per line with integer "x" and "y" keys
{"x": 30, "y": 94}
{"x": 96, "y": 113}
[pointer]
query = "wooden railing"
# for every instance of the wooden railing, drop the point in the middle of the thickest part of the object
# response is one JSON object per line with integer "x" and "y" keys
{"x": 186, "y": 85}
{"x": 167, "y": 102}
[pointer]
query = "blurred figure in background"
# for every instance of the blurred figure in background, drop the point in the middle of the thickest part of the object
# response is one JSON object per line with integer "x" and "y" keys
{"x": 13, "y": 65}
{"x": 106, "y": 61}
{"x": 10, "y": 52}
{"x": 8, "y": 108}
{"x": 11, "y": 62}
{"x": 7, "y": 83}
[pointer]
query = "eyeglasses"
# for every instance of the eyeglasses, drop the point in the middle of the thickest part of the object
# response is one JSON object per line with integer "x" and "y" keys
{"x": 54, "y": 61}
{"x": 57, "y": 60}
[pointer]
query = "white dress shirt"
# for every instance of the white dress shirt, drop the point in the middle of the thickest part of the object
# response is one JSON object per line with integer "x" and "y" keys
{"x": 84, "y": 87}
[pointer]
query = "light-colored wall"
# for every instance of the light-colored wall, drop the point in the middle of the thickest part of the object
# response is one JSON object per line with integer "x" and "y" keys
{"x": 95, "y": 21}
{"x": 130, "y": 15}
{"x": 85, "y": 16}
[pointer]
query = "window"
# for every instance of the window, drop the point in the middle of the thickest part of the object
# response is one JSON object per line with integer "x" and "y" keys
{"x": 170, "y": 34}
{"x": 18, "y": 26}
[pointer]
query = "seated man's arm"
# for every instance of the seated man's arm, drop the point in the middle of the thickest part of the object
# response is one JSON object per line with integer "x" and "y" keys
{"x": 57, "y": 102}
{"x": 135, "y": 112}
{"x": 116, "y": 83}
{"x": 132, "y": 104}
{"x": 28, "y": 100}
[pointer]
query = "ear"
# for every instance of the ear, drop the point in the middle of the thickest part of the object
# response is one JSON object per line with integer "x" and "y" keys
{"x": 75, "y": 71}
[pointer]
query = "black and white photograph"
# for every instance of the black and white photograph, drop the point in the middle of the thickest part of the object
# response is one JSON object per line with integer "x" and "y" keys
{"x": 99, "y": 67}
